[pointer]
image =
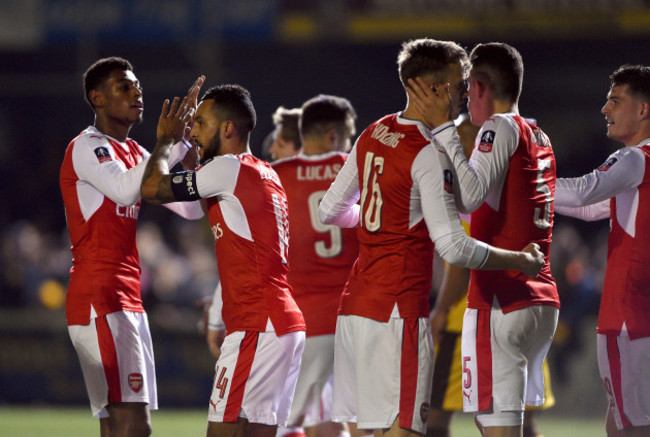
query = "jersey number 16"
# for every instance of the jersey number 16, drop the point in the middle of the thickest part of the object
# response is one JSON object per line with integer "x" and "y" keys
{"x": 371, "y": 199}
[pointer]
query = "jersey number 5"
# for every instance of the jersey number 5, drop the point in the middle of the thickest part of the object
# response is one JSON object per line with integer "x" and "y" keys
{"x": 371, "y": 200}
{"x": 336, "y": 237}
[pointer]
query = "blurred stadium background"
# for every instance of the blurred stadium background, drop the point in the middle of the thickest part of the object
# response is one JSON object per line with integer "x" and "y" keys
{"x": 284, "y": 51}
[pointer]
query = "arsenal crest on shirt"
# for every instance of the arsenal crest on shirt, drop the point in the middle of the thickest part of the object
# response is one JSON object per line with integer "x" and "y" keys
{"x": 135, "y": 382}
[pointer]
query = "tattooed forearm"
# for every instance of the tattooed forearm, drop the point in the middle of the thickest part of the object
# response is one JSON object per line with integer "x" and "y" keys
{"x": 164, "y": 192}
{"x": 156, "y": 182}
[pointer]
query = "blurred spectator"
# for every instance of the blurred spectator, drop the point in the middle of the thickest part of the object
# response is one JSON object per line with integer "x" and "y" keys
{"x": 578, "y": 268}
{"x": 30, "y": 257}
{"x": 35, "y": 264}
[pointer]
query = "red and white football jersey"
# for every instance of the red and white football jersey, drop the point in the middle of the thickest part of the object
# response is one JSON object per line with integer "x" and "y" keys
{"x": 518, "y": 209}
{"x": 625, "y": 178}
{"x": 320, "y": 256}
{"x": 395, "y": 252}
{"x": 100, "y": 183}
{"x": 247, "y": 209}
{"x": 508, "y": 186}
{"x": 404, "y": 188}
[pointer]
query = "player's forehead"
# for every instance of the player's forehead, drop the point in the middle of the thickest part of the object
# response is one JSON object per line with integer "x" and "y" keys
{"x": 205, "y": 110}
{"x": 122, "y": 76}
{"x": 619, "y": 91}
{"x": 456, "y": 72}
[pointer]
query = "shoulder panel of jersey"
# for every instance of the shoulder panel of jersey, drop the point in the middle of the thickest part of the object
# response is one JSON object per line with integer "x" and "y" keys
{"x": 253, "y": 271}
{"x": 395, "y": 257}
{"x": 626, "y": 295}
{"x": 320, "y": 256}
{"x": 524, "y": 215}
{"x": 128, "y": 152}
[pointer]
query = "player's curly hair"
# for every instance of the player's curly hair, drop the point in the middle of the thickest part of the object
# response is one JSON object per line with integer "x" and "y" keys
{"x": 426, "y": 56}
{"x": 98, "y": 72}
{"x": 636, "y": 77}
{"x": 233, "y": 102}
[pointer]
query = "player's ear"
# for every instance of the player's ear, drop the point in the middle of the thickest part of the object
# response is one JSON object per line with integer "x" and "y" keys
{"x": 228, "y": 128}
{"x": 96, "y": 98}
{"x": 332, "y": 136}
{"x": 644, "y": 110}
{"x": 481, "y": 87}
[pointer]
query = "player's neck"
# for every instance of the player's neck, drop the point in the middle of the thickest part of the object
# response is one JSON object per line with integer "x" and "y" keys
{"x": 234, "y": 148}
{"x": 412, "y": 114}
{"x": 643, "y": 132}
{"x": 315, "y": 148}
{"x": 503, "y": 107}
{"x": 637, "y": 138}
{"x": 119, "y": 131}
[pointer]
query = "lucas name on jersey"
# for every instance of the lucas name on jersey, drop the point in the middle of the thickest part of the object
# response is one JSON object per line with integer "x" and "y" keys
{"x": 318, "y": 172}
{"x": 382, "y": 134}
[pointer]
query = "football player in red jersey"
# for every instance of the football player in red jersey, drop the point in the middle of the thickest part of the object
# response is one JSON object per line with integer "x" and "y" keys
{"x": 508, "y": 186}
{"x": 100, "y": 183}
{"x": 446, "y": 329}
{"x": 398, "y": 188}
{"x": 618, "y": 190}
{"x": 282, "y": 142}
{"x": 320, "y": 256}
{"x": 256, "y": 373}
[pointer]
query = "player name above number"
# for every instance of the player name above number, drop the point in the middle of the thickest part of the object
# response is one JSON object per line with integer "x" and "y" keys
{"x": 382, "y": 134}
{"x": 268, "y": 174}
{"x": 318, "y": 172}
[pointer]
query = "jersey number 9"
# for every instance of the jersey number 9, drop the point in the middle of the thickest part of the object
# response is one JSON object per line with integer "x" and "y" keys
{"x": 336, "y": 236}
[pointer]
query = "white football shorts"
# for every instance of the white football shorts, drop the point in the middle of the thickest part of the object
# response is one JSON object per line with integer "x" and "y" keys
{"x": 255, "y": 377}
{"x": 382, "y": 370}
{"x": 312, "y": 402}
{"x": 625, "y": 370}
{"x": 117, "y": 362}
{"x": 502, "y": 358}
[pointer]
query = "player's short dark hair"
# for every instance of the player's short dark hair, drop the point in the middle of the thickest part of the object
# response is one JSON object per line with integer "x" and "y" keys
{"x": 636, "y": 77}
{"x": 500, "y": 67}
{"x": 426, "y": 56}
{"x": 324, "y": 112}
{"x": 97, "y": 73}
{"x": 233, "y": 102}
{"x": 287, "y": 122}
